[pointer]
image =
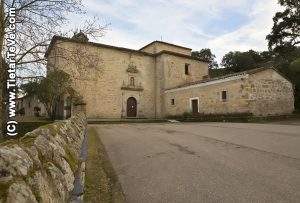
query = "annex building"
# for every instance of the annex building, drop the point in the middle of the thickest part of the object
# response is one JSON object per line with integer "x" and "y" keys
{"x": 162, "y": 79}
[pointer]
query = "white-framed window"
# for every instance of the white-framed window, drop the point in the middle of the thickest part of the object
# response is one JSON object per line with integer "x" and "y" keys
{"x": 194, "y": 105}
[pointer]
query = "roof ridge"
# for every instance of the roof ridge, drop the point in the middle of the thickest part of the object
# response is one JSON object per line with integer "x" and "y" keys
{"x": 165, "y": 43}
{"x": 179, "y": 54}
{"x": 57, "y": 37}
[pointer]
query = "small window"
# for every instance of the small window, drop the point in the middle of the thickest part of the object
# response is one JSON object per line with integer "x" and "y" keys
{"x": 173, "y": 101}
{"x": 131, "y": 81}
{"x": 224, "y": 95}
{"x": 29, "y": 104}
{"x": 186, "y": 69}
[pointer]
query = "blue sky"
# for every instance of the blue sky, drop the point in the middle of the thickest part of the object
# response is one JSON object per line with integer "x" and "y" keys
{"x": 221, "y": 25}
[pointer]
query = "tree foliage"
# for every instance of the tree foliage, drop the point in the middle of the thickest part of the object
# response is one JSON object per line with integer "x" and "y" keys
{"x": 51, "y": 90}
{"x": 238, "y": 61}
{"x": 295, "y": 66}
{"x": 36, "y": 23}
{"x": 206, "y": 55}
{"x": 286, "y": 29}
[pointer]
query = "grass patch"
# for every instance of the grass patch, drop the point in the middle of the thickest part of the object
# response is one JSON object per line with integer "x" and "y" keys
{"x": 3, "y": 191}
{"x": 127, "y": 120}
{"x": 101, "y": 181}
{"x": 234, "y": 117}
{"x": 71, "y": 159}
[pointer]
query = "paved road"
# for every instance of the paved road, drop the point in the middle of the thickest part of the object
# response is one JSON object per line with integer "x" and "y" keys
{"x": 205, "y": 162}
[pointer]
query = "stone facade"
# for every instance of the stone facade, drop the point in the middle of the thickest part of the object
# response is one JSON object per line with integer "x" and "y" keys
{"x": 41, "y": 166}
{"x": 269, "y": 93}
{"x": 30, "y": 106}
{"x": 261, "y": 92}
{"x": 119, "y": 74}
{"x": 117, "y": 82}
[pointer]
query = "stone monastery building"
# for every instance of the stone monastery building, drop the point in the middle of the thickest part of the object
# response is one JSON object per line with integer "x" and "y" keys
{"x": 162, "y": 79}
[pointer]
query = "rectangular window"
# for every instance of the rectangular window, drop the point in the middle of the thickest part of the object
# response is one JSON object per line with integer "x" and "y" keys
{"x": 186, "y": 69}
{"x": 173, "y": 101}
{"x": 224, "y": 95}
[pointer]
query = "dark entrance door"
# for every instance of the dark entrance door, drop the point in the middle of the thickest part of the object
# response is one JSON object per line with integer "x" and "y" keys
{"x": 195, "y": 106}
{"x": 131, "y": 107}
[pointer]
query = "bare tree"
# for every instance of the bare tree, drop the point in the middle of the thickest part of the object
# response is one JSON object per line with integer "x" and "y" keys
{"x": 86, "y": 64}
{"x": 37, "y": 21}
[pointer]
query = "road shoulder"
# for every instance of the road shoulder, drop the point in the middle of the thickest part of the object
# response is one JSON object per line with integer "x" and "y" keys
{"x": 101, "y": 184}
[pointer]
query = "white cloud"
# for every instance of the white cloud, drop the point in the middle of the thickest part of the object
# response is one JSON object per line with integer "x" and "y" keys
{"x": 249, "y": 36}
{"x": 184, "y": 22}
{"x": 117, "y": 37}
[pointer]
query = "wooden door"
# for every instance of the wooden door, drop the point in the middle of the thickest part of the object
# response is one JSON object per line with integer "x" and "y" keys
{"x": 131, "y": 107}
{"x": 195, "y": 109}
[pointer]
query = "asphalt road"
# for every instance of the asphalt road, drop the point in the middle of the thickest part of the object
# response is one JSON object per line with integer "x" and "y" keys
{"x": 205, "y": 162}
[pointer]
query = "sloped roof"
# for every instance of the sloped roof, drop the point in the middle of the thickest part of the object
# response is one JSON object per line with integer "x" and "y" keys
{"x": 251, "y": 71}
{"x": 166, "y": 43}
{"x": 66, "y": 39}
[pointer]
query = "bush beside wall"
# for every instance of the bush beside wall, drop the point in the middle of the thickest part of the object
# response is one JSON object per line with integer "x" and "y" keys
{"x": 40, "y": 166}
{"x": 232, "y": 117}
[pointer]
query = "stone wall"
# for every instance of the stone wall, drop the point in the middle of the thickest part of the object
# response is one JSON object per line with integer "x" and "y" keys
{"x": 102, "y": 75}
{"x": 170, "y": 72}
{"x": 269, "y": 94}
{"x": 78, "y": 108}
{"x": 40, "y": 166}
{"x": 104, "y": 82}
{"x": 262, "y": 93}
{"x": 174, "y": 70}
{"x": 1, "y": 110}
{"x": 209, "y": 97}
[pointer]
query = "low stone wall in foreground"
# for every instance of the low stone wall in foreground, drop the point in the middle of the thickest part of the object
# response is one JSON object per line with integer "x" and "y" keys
{"x": 41, "y": 166}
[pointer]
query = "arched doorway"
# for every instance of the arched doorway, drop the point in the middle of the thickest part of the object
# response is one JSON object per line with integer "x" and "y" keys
{"x": 131, "y": 107}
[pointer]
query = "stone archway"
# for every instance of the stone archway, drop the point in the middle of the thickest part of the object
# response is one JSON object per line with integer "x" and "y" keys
{"x": 131, "y": 107}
